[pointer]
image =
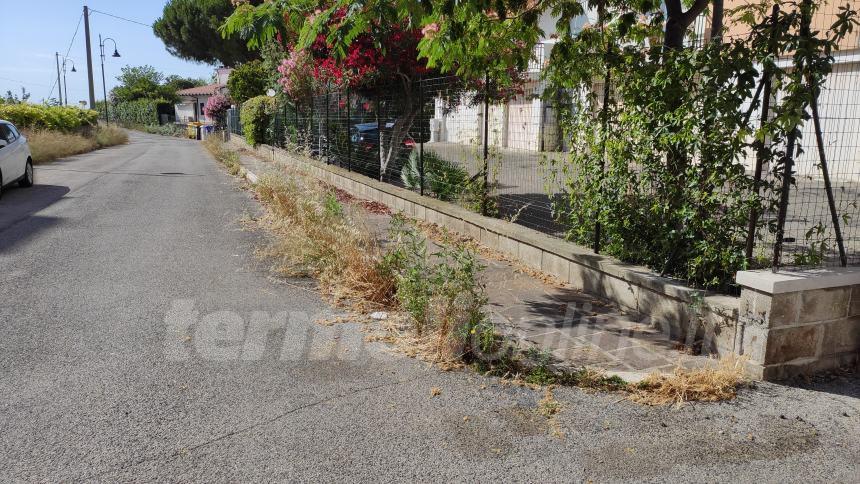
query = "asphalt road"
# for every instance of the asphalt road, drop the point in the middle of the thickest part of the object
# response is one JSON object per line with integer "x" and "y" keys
{"x": 142, "y": 340}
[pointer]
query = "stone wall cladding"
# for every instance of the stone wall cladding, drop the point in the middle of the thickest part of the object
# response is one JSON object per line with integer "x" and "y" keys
{"x": 802, "y": 332}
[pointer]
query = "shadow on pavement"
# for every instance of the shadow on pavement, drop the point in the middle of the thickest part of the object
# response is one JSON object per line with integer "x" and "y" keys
{"x": 17, "y": 209}
{"x": 845, "y": 382}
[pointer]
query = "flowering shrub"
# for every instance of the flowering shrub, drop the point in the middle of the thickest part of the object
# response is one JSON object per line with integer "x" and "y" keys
{"x": 297, "y": 75}
{"x": 216, "y": 108}
{"x": 372, "y": 59}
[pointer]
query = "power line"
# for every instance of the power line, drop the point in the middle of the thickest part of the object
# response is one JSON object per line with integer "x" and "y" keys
{"x": 72, "y": 43}
{"x": 121, "y": 18}
{"x": 26, "y": 82}
{"x": 75, "y": 35}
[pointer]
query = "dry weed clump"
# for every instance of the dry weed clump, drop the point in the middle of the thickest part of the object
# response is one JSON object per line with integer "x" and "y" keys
{"x": 48, "y": 145}
{"x": 110, "y": 136}
{"x": 708, "y": 384}
{"x": 318, "y": 236}
{"x": 226, "y": 156}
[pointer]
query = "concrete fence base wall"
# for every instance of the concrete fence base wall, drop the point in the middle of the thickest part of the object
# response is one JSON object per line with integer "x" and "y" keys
{"x": 800, "y": 323}
{"x": 685, "y": 314}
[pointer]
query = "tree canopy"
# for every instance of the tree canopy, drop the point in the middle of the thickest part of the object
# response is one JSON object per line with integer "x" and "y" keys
{"x": 247, "y": 81}
{"x": 189, "y": 30}
{"x": 145, "y": 82}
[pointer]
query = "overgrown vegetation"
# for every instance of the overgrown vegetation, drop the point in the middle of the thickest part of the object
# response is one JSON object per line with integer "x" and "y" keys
{"x": 317, "y": 235}
{"x": 437, "y": 288}
{"x": 47, "y": 146}
{"x": 227, "y": 157}
{"x": 443, "y": 294}
{"x": 42, "y": 117}
{"x": 656, "y": 172}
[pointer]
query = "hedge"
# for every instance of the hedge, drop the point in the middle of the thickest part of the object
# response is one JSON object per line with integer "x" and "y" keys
{"x": 140, "y": 112}
{"x": 38, "y": 116}
{"x": 256, "y": 115}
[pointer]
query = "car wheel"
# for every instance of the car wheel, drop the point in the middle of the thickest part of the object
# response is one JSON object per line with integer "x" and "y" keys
{"x": 27, "y": 181}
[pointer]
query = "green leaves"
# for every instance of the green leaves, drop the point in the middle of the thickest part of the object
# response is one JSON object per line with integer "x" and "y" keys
{"x": 60, "y": 118}
{"x": 141, "y": 112}
{"x": 190, "y": 30}
{"x": 256, "y": 115}
{"x": 247, "y": 81}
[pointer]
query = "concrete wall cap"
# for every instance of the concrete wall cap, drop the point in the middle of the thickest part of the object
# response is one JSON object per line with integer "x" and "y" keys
{"x": 793, "y": 281}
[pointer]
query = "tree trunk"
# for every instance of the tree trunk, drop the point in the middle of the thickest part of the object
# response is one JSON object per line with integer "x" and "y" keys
{"x": 677, "y": 21}
{"x": 389, "y": 148}
{"x": 717, "y": 22}
{"x": 673, "y": 38}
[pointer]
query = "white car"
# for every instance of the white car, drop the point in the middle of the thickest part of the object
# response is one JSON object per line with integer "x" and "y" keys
{"x": 16, "y": 162}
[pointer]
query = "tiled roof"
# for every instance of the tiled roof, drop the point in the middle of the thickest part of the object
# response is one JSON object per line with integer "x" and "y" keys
{"x": 209, "y": 90}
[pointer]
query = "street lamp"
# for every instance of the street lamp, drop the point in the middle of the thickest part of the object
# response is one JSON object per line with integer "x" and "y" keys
{"x": 104, "y": 85}
{"x": 65, "y": 85}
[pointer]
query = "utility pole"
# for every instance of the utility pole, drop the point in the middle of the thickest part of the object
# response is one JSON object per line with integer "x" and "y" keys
{"x": 89, "y": 58}
{"x": 59, "y": 86}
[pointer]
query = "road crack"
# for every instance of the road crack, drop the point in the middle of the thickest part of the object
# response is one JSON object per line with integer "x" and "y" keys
{"x": 178, "y": 453}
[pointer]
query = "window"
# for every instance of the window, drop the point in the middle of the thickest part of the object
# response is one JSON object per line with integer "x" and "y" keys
{"x": 6, "y": 133}
{"x": 14, "y": 132}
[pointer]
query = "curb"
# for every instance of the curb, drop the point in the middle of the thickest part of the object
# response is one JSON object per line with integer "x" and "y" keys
{"x": 249, "y": 175}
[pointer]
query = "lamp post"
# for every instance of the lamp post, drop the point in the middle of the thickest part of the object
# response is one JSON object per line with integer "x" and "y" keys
{"x": 104, "y": 85}
{"x": 65, "y": 85}
{"x": 59, "y": 86}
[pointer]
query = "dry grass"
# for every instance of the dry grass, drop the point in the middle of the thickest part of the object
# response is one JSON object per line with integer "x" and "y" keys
{"x": 438, "y": 233}
{"x": 318, "y": 236}
{"x": 319, "y": 232}
{"x": 110, "y": 136}
{"x": 710, "y": 384}
{"x": 548, "y": 406}
{"x": 47, "y": 146}
{"x": 227, "y": 157}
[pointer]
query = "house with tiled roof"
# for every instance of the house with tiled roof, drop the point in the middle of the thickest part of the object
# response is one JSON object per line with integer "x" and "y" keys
{"x": 191, "y": 101}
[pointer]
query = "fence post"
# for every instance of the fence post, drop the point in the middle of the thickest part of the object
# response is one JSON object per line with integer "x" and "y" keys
{"x": 311, "y": 126}
{"x": 348, "y": 134}
{"x": 788, "y": 161}
{"x": 379, "y": 132}
{"x": 767, "y": 88}
{"x": 486, "y": 168}
{"x": 604, "y": 123}
{"x": 421, "y": 122}
{"x": 297, "y": 122}
{"x": 825, "y": 173}
{"x": 286, "y": 117}
{"x": 327, "y": 134}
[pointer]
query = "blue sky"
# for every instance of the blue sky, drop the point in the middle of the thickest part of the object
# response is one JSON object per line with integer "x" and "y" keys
{"x": 32, "y": 30}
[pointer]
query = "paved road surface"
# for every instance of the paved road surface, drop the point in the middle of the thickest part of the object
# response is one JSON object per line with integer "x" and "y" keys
{"x": 142, "y": 341}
